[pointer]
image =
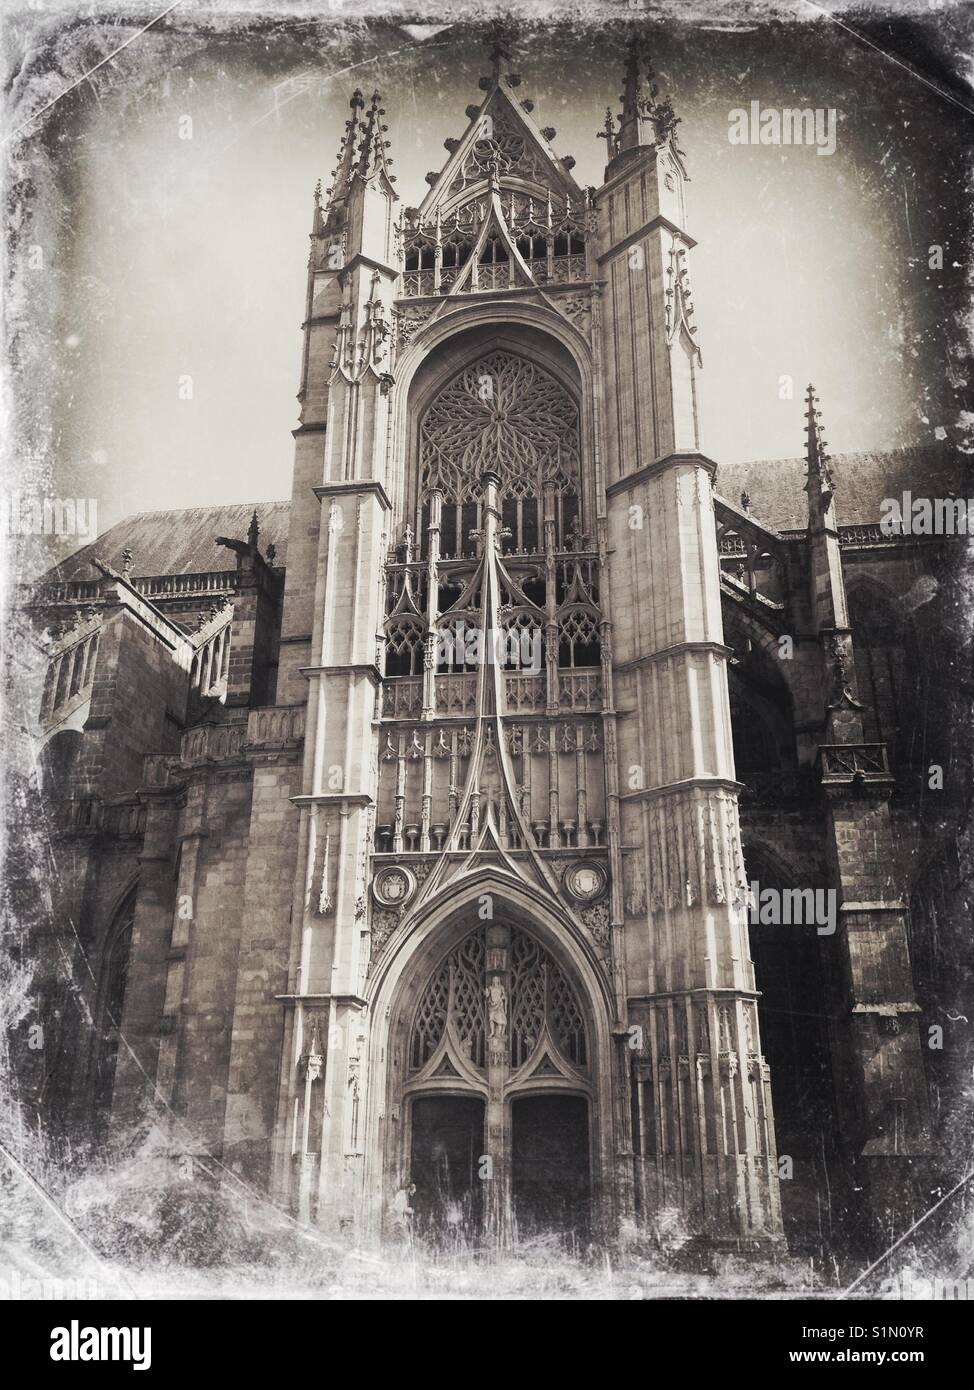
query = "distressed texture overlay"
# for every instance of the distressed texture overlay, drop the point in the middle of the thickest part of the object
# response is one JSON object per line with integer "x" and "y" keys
{"x": 498, "y": 825}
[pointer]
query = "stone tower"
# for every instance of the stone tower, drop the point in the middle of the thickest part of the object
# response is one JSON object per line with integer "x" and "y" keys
{"x": 519, "y": 973}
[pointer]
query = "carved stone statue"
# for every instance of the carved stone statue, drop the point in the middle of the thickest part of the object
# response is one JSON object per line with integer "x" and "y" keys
{"x": 496, "y": 1010}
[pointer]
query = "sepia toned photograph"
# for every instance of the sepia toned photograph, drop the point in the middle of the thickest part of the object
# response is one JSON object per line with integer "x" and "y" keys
{"x": 488, "y": 616}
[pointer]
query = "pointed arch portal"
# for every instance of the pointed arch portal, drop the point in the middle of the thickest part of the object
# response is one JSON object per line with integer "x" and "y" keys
{"x": 494, "y": 1080}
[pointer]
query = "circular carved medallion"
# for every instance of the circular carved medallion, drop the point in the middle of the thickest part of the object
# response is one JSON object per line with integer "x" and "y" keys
{"x": 393, "y": 886}
{"x": 585, "y": 881}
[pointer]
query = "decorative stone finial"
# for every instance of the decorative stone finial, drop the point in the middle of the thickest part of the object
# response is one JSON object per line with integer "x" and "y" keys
{"x": 501, "y": 36}
{"x": 645, "y": 120}
{"x": 816, "y": 450}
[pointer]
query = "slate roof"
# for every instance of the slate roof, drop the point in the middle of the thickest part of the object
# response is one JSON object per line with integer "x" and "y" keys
{"x": 184, "y": 542}
{"x": 179, "y": 542}
{"x": 776, "y": 486}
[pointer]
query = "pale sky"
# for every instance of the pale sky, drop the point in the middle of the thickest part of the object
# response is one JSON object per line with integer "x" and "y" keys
{"x": 180, "y": 257}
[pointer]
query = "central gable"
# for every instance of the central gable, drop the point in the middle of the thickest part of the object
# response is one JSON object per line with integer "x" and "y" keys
{"x": 501, "y": 136}
{"x": 504, "y": 212}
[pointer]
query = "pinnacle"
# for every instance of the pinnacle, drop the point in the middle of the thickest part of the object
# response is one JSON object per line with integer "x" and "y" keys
{"x": 645, "y": 120}
{"x": 816, "y": 444}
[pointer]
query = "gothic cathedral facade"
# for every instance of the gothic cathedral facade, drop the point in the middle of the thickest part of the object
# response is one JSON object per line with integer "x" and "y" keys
{"x": 423, "y": 863}
{"x": 498, "y": 474}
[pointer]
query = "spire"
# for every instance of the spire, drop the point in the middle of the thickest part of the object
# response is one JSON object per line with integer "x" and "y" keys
{"x": 819, "y": 476}
{"x": 342, "y": 173}
{"x": 372, "y": 157}
{"x": 645, "y": 121}
{"x": 827, "y": 595}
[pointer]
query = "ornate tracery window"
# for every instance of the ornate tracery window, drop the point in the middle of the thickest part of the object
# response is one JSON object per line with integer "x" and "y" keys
{"x": 543, "y": 1009}
{"x": 505, "y": 413}
{"x": 454, "y": 999}
{"x": 404, "y": 648}
{"x": 542, "y": 999}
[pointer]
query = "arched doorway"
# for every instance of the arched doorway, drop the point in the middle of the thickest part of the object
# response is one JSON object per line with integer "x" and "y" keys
{"x": 497, "y": 1089}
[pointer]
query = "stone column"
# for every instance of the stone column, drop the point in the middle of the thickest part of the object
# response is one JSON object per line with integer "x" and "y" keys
{"x": 329, "y": 944}
{"x": 709, "y": 1139}
{"x": 497, "y": 1180}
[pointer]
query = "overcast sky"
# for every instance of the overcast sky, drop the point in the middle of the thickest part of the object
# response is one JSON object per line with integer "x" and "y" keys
{"x": 177, "y": 257}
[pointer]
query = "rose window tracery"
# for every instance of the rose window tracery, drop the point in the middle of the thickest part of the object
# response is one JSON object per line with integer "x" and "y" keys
{"x": 504, "y": 151}
{"x": 503, "y": 413}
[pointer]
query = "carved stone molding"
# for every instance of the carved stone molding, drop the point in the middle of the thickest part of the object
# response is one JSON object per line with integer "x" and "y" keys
{"x": 596, "y": 921}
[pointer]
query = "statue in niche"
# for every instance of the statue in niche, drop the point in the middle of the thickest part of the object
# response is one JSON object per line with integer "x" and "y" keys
{"x": 496, "y": 1010}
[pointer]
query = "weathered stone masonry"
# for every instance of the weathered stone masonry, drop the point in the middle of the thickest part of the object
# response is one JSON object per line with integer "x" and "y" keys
{"x": 341, "y": 908}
